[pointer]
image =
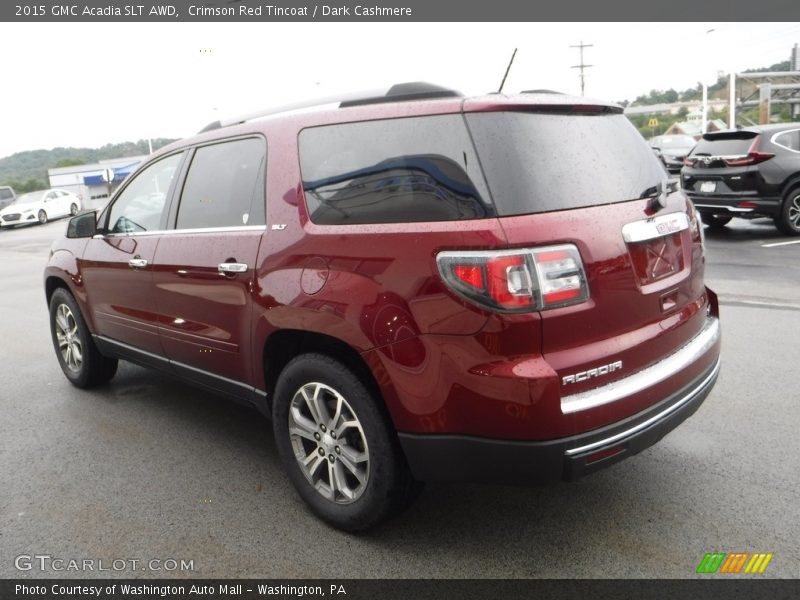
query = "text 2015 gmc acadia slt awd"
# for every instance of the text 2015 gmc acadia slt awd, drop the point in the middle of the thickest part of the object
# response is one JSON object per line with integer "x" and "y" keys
{"x": 414, "y": 286}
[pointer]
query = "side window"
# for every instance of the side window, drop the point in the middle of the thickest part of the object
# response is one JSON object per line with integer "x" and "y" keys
{"x": 224, "y": 186}
{"x": 788, "y": 139}
{"x": 392, "y": 171}
{"x": 141, "y": 204}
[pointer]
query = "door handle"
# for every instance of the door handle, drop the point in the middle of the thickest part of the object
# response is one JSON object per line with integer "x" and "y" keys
{"x": 231, "y": 268}
{"x": 137, "y": 263}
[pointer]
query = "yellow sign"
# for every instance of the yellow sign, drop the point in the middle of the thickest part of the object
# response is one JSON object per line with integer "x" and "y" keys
{"x": 653, "y": 122}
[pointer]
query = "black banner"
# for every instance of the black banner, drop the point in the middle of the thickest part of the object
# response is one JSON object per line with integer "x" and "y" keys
{"x": 397, "y": 10}
{"x": 382, "y": 589}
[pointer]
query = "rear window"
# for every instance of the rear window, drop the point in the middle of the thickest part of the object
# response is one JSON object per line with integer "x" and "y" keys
{"x": 392, "y": 171}
{"x": 727, "y": 144}
{"x": 540, "y": 162}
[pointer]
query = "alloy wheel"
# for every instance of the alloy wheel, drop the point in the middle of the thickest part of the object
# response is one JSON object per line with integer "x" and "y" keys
{"x": 329, "y": 443}
{"x": 794, "y": 212}
{"x": 69, "y": 343}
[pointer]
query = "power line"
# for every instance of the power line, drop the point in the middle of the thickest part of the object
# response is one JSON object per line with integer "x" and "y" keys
{"x": 582, "y": 66}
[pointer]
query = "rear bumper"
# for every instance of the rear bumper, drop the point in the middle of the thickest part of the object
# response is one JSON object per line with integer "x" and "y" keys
{"x": 729, "y": 205}
{"x": 467, "y": 458}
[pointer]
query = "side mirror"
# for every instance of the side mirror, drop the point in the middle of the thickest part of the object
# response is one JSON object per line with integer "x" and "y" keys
{"x": 82, "y": 226}
{"x": 657, "y": 151}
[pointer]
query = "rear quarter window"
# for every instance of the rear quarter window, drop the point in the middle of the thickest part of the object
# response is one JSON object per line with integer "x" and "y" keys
{"x": 788, "y": 139}
{"x": 392, "y": 171}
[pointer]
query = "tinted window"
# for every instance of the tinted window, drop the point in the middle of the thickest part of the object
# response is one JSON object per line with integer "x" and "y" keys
{"x": 224, "y": 186}
{"x": 140, "y": 206}
{"x": 537, "y": 162}
{"x": 392, "y": 171}
{"x": 788, "y": 139}
{"x": 31, "y": 198}
{"x": 726, "y": 144}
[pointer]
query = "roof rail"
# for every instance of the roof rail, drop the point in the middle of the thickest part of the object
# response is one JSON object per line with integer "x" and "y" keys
{"x": 541, "y": 92}
{"x": 400, "y": 92}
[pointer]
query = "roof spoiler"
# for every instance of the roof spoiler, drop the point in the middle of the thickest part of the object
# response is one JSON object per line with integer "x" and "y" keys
{"x": 400, "y": 92}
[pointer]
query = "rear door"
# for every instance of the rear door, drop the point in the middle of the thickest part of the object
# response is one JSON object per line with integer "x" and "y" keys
{"x": 205, "y": 266}
{"x": 590, "y": 180}
{"x": 117, "y": 266}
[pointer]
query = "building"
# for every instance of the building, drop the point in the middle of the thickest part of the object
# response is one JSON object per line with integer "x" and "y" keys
{"x": 87, "y": 180}
{"x": 674, "y": 108}
{"x": 693, "y": 127}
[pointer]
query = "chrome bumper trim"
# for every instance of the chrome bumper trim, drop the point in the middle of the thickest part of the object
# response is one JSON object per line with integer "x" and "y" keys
{"x": 645, "y": 378}
{"x": 724, "y": 208}
{"x": 654, "y": 419}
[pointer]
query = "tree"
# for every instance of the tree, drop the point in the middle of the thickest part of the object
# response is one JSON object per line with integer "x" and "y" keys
{"x": 69, "y": 162}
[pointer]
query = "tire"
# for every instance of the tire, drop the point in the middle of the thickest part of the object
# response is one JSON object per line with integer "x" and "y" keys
{"x": 42, "y": 217}
{"x": 364, "y": 460}
{"x": 79, "y": 358}
{"x": 715, "y": 222}
{"x": 73, "y": 209}
{"x": 788, "y": 221}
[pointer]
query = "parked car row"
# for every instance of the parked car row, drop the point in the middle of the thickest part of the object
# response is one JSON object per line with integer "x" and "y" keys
{"x": 39, "y": 207}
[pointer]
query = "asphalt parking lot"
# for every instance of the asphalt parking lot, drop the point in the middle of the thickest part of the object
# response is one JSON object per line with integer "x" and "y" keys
{"x": 149, "y": 468}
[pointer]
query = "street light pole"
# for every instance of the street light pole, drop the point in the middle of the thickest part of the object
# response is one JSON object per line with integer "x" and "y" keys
{"x": 704, "y": 122}
{"x": 704, "y": 111}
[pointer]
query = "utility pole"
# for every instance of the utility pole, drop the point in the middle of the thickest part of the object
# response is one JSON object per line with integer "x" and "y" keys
{"x": 582, "y": 66}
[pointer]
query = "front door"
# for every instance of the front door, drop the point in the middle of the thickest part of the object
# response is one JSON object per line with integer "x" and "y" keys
{"x": 117, "y": 264}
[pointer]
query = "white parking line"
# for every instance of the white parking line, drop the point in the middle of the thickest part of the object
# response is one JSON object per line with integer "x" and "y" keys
{"x": 780, "y": 244}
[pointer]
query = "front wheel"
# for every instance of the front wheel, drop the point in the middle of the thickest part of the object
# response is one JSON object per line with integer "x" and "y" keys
{"x": 79, "y": 358}
{"x": 42, "y": 217}
{"x": 337, "y": 446}
{"x": 73, "y": 209}
{"x": 788, "y": 221}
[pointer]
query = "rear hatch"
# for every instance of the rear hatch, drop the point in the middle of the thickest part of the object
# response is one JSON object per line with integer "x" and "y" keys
{"x": 722, "y": 164}
{"x": 585, "y": 177}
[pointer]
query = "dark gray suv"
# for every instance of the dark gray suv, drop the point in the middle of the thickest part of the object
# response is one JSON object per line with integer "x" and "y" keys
{"x": 749, "y": 172}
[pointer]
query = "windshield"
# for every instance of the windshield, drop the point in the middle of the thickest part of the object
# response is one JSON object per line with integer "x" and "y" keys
{"x": 677, "y": 143}
{"x": 539, "y": 162}
{"x": 30, "y": 198}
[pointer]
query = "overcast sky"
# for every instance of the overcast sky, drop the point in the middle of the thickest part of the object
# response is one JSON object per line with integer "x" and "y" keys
{"x": 88, "y": 84}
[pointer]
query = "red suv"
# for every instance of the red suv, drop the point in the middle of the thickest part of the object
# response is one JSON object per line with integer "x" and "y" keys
{"x": 414, "y": 286}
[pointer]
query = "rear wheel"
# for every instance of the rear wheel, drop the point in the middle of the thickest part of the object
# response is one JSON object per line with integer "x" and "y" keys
{"x": 715, "y": 222}
{"x": 79, "y": 358}
{"x": 42, "y": 217}
{"x": 337, "y": 446}
{"x": 788, "y": 221}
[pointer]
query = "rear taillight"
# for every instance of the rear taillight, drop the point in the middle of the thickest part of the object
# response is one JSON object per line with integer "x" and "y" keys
{"x": 688, "y": 162}
{"x": 753, "y": 156}
{"x": 524, "y": 280}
